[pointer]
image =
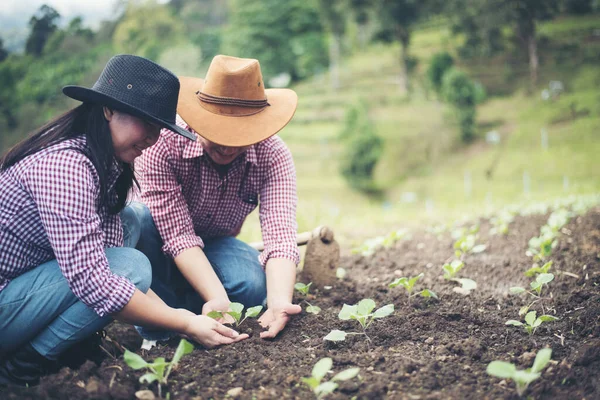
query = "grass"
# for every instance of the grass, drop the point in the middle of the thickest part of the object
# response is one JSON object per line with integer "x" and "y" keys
{"x": 422, "y": 154}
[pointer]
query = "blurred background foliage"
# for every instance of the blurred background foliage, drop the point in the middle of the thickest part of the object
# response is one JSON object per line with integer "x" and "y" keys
{"x": 409, "y": 109}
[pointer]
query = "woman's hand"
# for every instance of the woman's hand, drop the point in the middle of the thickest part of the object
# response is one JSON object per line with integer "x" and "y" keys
{"x": 276, "y": 317}
{"x": 211, "y": 333}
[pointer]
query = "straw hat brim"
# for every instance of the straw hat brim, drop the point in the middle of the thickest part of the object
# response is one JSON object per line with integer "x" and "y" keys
{"x": 235, "y": 131}
{"x": 87, "y": 95}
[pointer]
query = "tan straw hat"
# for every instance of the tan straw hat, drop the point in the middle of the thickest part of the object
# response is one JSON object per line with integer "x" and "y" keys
{"x": 231, "y": 107}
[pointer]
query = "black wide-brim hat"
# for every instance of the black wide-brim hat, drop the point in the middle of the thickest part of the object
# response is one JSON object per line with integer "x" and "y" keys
{"x": 136, "y": 86}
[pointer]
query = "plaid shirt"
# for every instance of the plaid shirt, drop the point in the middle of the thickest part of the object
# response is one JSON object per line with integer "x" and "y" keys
{"x": 190, "y": 201}
{"x": 49, "y": 209}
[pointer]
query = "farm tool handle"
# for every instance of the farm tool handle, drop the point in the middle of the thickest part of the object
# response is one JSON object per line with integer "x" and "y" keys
{"x": 322, "y": 232}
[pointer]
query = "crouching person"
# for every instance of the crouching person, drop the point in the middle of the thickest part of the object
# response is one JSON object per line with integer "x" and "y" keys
{"x": 64, "y": 273}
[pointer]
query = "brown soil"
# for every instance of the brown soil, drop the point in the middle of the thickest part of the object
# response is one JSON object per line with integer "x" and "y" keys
{"x": 428, "y": 350}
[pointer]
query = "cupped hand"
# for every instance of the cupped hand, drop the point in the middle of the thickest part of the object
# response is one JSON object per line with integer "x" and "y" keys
{"x": 211, "y": 333}
{"x": 276, "y": 317}
{"x": 221, "y": 305}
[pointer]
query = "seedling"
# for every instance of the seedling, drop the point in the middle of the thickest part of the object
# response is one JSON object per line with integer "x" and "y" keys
{"x": 466, "y": 244}
{"x": 540, "y": 248}
{"x": 409, "y": 284}
{"x": 522, "y": 378}
{"x": 536, "y": 269}
{"x": 320, "y": 369}
{"x": 303, "y": 289}
{"x": 466, "y": 286}
{"x": 236, "y": 310}
{"x": 159, "y": 370}
{"x": 361, "y": 312}
{"x": 531, "y": 322}
{"x": 369, "y": 247}
{"x": 536, "y": 286}
{"x": 500, "y": 223}
{"x": 452, "y": 269}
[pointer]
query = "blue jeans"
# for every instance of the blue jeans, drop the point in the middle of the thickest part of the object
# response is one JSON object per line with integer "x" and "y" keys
{"x": 235, "y": 263}
{"x": 39, "y": 307}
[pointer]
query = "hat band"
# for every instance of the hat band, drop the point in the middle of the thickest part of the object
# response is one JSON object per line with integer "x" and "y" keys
{"x": 233, "y": 106}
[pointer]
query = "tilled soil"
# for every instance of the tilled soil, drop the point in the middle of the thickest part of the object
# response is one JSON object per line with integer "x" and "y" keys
{"x": 430, "y": 349}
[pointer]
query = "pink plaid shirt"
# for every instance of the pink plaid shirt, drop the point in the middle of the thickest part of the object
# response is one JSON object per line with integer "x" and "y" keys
{"x": 49, "y": 210}
{"x": 190, "y": 201}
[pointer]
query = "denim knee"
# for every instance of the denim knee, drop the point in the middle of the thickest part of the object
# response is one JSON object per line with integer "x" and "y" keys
{"x": 250, "y": 293}
{"x": 131, "y": 264}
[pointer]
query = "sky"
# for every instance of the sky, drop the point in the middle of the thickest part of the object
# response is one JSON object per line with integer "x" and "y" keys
{"x": 16, "y": 13}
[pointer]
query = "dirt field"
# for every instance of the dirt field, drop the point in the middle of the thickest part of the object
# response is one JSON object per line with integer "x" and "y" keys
{"x": 432, "y": 349}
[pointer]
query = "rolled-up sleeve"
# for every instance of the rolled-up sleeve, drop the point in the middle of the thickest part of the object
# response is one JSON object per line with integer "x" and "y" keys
{"x": 65, "y": 187}
{"x": 278, "y": 201}
{"x": 162, "y": 193}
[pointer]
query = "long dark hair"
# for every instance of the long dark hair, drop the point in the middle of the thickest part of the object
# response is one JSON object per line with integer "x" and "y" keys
{"x": 85, "y": 119}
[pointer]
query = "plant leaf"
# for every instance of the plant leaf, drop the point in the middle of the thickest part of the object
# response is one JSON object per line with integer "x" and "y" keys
{"x": 523, "y": 310}
{"x": 525, "y": 377}
{"x": 347, "y": 374}
{"x": 541, "y": 360}
{"x": 365, "y": 306}
{"x": 530, "y": 317}
{"x": 135, "y": 361}
{"x": 215, "y": 314}
{"x": 547, "y": 318}
{"x": 321, "y": 368}
{"x": 336, "y": 336}
{"x": 400, "y": 281}
{"x": 347, "y": 312}
{"x": 501, "y": 369}
{"x": 479, "y": 248}
{"x": 236, "y": 307}
{"x": 384, "y": 311}
{"x": 544, "y": 278}
{"x": 253, "y": 311}
{"x": 183, "y": 348}
{"x": 312, "y": 382}
{"x": 516, "y": 290}
{"x": 325, "y": 388}
{"x": 513, "y": 322}
{"x": 428, "y": 293}
{"x": 313, "y": 309}
{"x": 148, "y": 378}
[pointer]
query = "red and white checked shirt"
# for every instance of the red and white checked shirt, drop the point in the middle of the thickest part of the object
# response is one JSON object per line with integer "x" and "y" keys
{"x": 49, "y": 209}
{"x": 189, "y": 201}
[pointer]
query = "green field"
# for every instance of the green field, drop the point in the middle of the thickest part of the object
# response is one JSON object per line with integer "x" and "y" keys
{"x": 428, "y": 175}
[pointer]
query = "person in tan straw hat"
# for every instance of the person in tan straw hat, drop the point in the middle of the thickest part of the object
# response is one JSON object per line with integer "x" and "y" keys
{"x": 65, "y": 268}
{"x": 196, "y": 197}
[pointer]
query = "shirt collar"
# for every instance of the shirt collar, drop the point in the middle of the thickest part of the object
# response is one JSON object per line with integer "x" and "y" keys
{"x": 194, "y": 149}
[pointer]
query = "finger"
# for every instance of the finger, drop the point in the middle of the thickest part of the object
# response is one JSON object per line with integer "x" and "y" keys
{"x": 274, "y": 328}
{"x": 225, "y": 331}
{"x": 292, "y": 309}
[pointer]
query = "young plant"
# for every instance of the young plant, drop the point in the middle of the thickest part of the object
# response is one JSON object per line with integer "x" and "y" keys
{"x": 361, "y": 312}
{"x": 409, "y": 285}
{"x": 536, "y": 286}
{"x": 536, "y": 269}
{"x": 159, "y": 370}
{"x": 531, "y": 322}
{"x": 236, "y": 311}
{"x": 522, "y": 378}
{"x": 466, "y": 244}
{"x": 450, "y": 270}
{"x": 303, "y": 289}
{"x": 540, "y": 248}
{"x": 500, "y": 223}
{"x": 320, "y": 369}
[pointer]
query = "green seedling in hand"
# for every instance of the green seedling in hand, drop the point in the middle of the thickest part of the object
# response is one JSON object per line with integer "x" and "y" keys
{"x": 409, "y": 285}
{"x": 303, "y": 289}
{"x": 361, "y": 312}
{"x": 536, "y": 269}
{"x": 531, "y": 322}
{"x": 322, "y": 388}
{"x": 522, "y": 378}
{"x": 159, "y": 370}
{"x": 450, "y": 270}
{"x": 236, "y": 311}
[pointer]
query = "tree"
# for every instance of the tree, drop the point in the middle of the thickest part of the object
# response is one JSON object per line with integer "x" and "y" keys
{"x": 147, "y": 28}
{"x": 3, "y": 51}
{"x": 43, "y": 25}
{"x": 360, "y": 10}
{"x": 397, "y": 18}
{"x": 333, "y": 18}
{"x": 285, "y": 36}
{"x": 525, "y": 15}
{"x": 461, "y": 92}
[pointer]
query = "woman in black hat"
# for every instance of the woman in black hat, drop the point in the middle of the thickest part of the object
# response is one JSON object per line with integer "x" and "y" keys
{"x": 64, "y": 273}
